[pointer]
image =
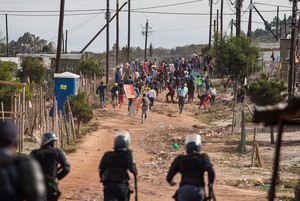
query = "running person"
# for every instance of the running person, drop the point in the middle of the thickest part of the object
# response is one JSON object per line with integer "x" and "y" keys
{"x": 182, "y": 92}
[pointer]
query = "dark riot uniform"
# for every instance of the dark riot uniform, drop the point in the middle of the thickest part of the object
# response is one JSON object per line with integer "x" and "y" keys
{"x": 192, "y": 168}
{"x": 21, "y": 177}
{"x": 50, "y": 158}
{"x": 26, "y": 181}
{"x": 114, "y": 175}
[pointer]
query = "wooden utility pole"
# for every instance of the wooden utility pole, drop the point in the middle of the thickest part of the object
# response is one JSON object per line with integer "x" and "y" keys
{"x": 231, "y": 28}
{"x": 284, "y": 21}
{"x": 66, "y": 42}
{"x": 128, "y": 39}
{"x": 107, "y": 16}
{"x": 217, "y": 20}
{"x": 214, "y": 27}
{"x": 221, "y": 20}
{"x": 6, "y": 23}
{"x": 250, "y": 20}
{"x": 63, "y": 43}
{"x": 117, "y": 34}
{"x": 210, "y": 23}
{"x": 60, "y": 33}
{"x": 146, "y": 38}
{"x": 102, "y": 29}
{"x": 238, "y": 7}
{"x": 292, "y": 51}
{"x": 277, "y": 22}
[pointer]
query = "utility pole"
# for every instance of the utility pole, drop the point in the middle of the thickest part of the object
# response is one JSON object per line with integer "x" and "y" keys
{"x": 284, "y": 21}
{"x": 292, "y": 51}
{"x": 107, "y": 16}
{"x": 277, "y": 22}
{"x": 231, "y": 28}
{"x": 66, "y": 45}
{"x": 214, "y": 28}
{"x": 102, "y": 29}
{"x": 117, "y": 35}
{"x": 221, "y": 20}
{"x": 250, "y": 20}
{"x": 146, "y": 38}
{"x": 60, "y": 33}
{"x": 6, "y": 22}
{"x": 210, "y": 23}
{"x": 217, "y": 20}
{"x": 63, "y": 43}
{"x": 238, "y": 7}
{"x": 128, "y": 39}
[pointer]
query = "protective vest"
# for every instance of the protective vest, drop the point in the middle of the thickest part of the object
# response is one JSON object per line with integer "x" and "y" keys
{"x": 114, "y": 166}
{"x": 49, "y": 158}
{"x": 191, "y": 167}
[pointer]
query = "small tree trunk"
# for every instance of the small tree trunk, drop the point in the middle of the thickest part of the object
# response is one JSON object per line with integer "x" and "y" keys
{"x": 242, "y": 146}
{"x": 234, "y": 108}
{"x": 272, "y": 135}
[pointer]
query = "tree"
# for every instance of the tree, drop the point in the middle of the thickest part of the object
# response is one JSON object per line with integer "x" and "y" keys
{"x": 265, "y": 91}
{"x": 33, "y": 68}
{"x": 90, "y": 67}
{"x": 80, "y": 109}
{"x": 7, "y": 70}
{"x": 235, "y": 58}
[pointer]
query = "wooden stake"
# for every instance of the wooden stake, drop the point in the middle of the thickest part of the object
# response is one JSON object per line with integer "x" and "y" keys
{"x": 2, "y": 109}
{"x": 258, "y": 155}
{"x": 253, "y": 147}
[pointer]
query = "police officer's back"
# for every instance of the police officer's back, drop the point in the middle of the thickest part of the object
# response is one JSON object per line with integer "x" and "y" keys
{"x": 114, "y": 167}
{"x": 21, "y": 177}
{"x": 54, "y": 164}
{"x": 192, "y": 167}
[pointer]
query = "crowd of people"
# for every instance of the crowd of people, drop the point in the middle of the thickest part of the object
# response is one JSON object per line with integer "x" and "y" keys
{"x": 184, "y": 79}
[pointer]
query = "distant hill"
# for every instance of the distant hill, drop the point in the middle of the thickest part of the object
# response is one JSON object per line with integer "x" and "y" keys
{"x": 31, "y": 44}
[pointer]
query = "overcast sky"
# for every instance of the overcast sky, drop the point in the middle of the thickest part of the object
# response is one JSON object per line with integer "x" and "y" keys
{"x": 168, "y": 30}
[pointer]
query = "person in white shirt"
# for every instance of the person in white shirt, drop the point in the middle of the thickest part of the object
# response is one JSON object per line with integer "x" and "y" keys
{"x": 213, "y": 93}
{"x": 151, "y": 94}
{"x": 182, "y": 92}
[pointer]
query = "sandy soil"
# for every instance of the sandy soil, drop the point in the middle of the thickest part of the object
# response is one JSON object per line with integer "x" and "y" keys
{"x": 152, "y": 145}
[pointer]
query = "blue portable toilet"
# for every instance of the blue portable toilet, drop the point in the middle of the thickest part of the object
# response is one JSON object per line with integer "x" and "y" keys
{"x": 65, "y": 84}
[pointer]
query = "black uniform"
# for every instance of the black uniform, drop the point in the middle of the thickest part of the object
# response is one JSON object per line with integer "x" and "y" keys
{"x": 20, "y": 178}
{"x": 114, "y": 175}
{"x": 192, "y": 168}
{"x": 54, "y": 165}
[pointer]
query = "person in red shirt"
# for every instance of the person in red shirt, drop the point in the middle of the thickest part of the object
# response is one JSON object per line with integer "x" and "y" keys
{"x": 170, "y": 93}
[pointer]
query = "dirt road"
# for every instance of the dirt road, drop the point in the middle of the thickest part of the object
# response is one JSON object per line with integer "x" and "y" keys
{"x": 151, "y": 143}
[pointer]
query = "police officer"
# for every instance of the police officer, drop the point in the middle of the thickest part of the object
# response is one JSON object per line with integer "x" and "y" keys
{"x": 54, "y": 164}
{"x": 113, "y": 169}
{"x": 21, "y": 177}
{"x": 192, "y": 167}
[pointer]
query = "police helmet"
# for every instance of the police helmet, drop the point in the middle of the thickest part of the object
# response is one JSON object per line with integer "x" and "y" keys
{"x": 122, "y": 141}
{"x": 8, "y": 133}
{"x": 47, "y": 138}
{"x": 193, "y": 143}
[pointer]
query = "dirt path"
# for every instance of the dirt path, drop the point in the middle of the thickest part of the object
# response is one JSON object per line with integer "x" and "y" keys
{"x": 83, "y": 181}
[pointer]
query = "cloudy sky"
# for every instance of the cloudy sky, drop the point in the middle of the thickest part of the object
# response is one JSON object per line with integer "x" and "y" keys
{"x": 174, "y": 22}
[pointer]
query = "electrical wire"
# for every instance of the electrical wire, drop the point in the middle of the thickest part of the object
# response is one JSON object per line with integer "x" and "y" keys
{"x": 167, "y": 5}
{"x": 267, "y": 4}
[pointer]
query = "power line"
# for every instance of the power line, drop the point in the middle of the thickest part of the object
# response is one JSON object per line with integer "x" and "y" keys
{"x": 167, "y": 5}
{"x": 267, "y": 4}
{"x": 52, "y": 15}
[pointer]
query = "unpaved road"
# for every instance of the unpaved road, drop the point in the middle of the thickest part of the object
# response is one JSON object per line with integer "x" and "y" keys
{"x": 83, "y": 181}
